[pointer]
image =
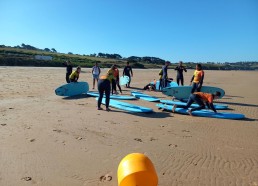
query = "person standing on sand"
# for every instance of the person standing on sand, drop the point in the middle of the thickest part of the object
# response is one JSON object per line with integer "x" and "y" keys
{"x": 197, "y": 79}
{"x": 116, "y": 81}
{"x": 104, "y": 86}
{"x": 180, "y": 69}
{"x": 201, "y": 99}
{"x": 75, "y": 75}
{"x": 165, "y": 74}
{"x": 160, "y": 79}
{"x": 128, "y": 72}
{"x": 69, "y": 70}
{"x": 95, "y": 73}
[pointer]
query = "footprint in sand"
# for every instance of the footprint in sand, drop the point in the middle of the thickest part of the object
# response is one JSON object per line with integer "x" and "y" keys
{"x": 3, "y": 124}
{"x": 152, "y": 139}
{"x": 11, "y": 108}
{"x": 138, "y": 139}
{"x": 172, "y": 145}
{"x": 79, "y": 138}
{"x": 32, "y": 140}
{"x": 185, "y": 131}
{"x": 57, "y": 130}
{"x": 105, "y": 178}
{"x": 26, "y": 178}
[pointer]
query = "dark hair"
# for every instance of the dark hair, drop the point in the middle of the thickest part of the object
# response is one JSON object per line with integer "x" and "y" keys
{"x": 199, "y": 66}
{"x": 217, "y": 93}
{"x": 78, "y": 67}
{"x": 113, "y": 66}
{"x": 127, "y": 62}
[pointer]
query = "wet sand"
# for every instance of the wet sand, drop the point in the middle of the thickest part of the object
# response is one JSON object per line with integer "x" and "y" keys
{"x": 54, "y": 141}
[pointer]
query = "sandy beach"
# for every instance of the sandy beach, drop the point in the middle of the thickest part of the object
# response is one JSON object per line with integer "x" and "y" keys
{"x": 49, "y": 140}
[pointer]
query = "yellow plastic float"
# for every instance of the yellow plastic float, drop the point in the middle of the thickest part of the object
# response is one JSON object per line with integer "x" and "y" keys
{"x": 136, "y": 169}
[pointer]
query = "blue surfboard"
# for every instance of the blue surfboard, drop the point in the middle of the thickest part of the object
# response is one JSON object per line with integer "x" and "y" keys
{"x": 179, "y": 103}
{"x": 72, "y": 89}
{"x": 183, "y": 92}
{"x": 121, "y": 97}
{"x": 145, "y": 96}
{"x": 171, "y": 84}
{"x": 204, "y": 113}
{"x": 126, "y": 106}
{"x": 123, "y": 80}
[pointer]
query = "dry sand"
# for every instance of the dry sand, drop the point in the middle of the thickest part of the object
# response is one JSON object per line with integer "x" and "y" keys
{"x": 54, "y": 141}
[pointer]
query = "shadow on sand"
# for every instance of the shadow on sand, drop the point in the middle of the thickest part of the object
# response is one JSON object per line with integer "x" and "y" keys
{"x": 82, "y": 96}
{"x": 146, "y": 114}
{"x": 239, "y": 104}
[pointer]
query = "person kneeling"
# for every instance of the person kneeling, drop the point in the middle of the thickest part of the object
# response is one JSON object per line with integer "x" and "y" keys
{"x": 201, "y": 99}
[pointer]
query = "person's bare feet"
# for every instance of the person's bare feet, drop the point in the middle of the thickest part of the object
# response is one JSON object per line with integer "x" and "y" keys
{"x": 174, "y": 108}
{"x": 108, "y": 109}
{"x": 190, "y": 112}
{"x": 99, "y": 108}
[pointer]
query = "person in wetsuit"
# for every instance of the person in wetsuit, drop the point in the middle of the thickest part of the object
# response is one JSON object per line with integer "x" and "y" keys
{"x": 180, "y": 77}
{"x": 201, "y": 99}
{"x": 69, "y": 70}
{"x": 104, "y": 86}
{"x": 197, "y": 79}
{"x": 128, "y": 72}
{"x": 165, "y": 74}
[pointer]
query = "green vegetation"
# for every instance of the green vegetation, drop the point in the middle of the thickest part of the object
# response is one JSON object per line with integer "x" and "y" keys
{"x": 24, "y": 55}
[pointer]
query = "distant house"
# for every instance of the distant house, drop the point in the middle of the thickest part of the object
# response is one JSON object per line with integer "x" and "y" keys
{"x": 40, "y": 57}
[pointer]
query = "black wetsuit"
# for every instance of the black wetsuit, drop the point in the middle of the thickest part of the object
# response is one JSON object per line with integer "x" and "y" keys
{"x": 69, "y": 70}
{"x": 164, "y": 76}
{"x": 127, "y": 72}
{"x": 104, "y": 86}
{"x": 180, "y": 76}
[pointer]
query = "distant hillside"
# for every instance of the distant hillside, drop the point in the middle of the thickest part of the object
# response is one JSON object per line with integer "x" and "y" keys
{"x": 27, "y": 55}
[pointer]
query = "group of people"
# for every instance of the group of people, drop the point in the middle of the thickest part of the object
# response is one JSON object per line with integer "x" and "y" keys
{"x": 108, "y": 82}
{"x": 202, "y": 99}
{"x": 196, "y": 81}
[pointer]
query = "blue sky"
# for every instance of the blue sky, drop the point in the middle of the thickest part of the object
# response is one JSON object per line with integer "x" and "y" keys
{"x": 187, "y": 30}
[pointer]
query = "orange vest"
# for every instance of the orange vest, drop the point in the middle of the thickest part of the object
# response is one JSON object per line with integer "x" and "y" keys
{"x": 206, "y": 97}
{"x": 198, "y": 74}
{"x": 116, "y": 72}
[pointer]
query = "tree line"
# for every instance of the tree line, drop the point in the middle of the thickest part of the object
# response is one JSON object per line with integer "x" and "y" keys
{"x": 24, "y": 55}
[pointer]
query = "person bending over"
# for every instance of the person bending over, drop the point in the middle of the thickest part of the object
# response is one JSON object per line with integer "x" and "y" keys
{"x": 75, "y": 75}
{"x": 104, "y": 86}
{"x": 201, "y": 99}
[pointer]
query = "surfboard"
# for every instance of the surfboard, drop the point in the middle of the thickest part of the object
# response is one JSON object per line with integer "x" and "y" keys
{"x": 204, "y": 113}
{"x": 179, "y": 103}
{"x": 183, "y": 92}
{"x": 126, "y": 106}
{"x": 145, "y": 97}
{"x": 121, "y": 97}
{"x": 123, "y": 80}
{"x": 171, "y": 84}
{"x": 72, "y": 89}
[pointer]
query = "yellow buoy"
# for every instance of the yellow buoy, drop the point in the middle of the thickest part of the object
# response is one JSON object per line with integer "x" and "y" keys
{"x": 136, "y": 169}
